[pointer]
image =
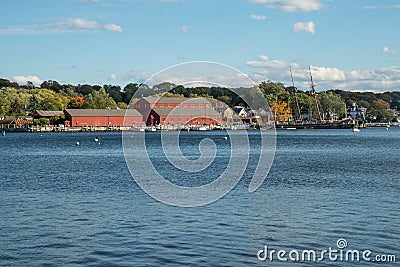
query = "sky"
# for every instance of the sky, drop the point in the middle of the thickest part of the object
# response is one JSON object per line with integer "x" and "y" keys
{"x": 349, "y": 44}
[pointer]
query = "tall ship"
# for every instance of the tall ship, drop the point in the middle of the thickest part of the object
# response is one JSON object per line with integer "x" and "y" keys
{"x": 314, "y": 119}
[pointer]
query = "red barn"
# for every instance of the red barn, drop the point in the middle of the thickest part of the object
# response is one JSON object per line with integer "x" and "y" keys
{"x": 103, "y": 117}
{"x": 177, "y": 111}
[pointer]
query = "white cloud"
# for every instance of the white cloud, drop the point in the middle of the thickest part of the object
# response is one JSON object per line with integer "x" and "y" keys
{"x": 304, "y": 26}
{"x": 76, "y": 23}
{"x": 113, "y": 27}
{"x": 218, "y": 77}
{"x": 378, "y": 80}
{"x": 370, "y": 7}
{"x": 395, "y": 6}
{"x": 185, "y": 28}
{"x": 112, "y": 76}
{"x": 375, "y": 7}
{"x": 265, "y": 61}
{"x": 30, "y": 78}
{"x": 292, "y": 5}
{"x": 70, "y": 25}
{"x": 328, "y": 74}
{"x": 388, "y": 50}
{"x": 258, "y": 17}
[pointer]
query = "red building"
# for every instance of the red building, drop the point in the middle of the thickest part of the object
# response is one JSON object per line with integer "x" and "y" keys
{"x": 177, "y": 111}
{"x": 103, "y": 117}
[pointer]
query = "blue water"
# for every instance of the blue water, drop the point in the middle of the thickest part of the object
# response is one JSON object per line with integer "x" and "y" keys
{"x": 63, "y": 205}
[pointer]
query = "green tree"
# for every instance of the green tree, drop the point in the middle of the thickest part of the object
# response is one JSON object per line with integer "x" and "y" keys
{"x": 58, "y": 119}
{"x": 114, "y": 91}
{"x": 306, "y": 102}
{"x": 5, "y": 105}
{"x": 51, "y": 85}
{"x": 84, "y": 89}
{"x": 45, "y": 99}
{"x": 41, "y": 122}
{"x": 99, "y": 100}
{"x": 274, "y": 92}
{"x": 331, "y": 103}
{"x": 128, "y": 92}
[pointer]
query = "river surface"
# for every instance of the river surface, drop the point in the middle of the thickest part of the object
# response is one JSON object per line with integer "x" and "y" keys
{"x": 68, "y": 205}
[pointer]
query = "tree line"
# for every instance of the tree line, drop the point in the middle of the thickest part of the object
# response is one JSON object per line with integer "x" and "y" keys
{"x": 18, "y": 99}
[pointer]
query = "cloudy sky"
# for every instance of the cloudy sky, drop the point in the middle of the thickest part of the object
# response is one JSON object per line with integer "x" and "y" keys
{"x": 350, "y": 44}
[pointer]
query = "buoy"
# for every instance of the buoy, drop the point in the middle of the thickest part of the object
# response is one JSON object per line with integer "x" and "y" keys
{"x": 77, "y": 144}
{"x": 226, "y": 137}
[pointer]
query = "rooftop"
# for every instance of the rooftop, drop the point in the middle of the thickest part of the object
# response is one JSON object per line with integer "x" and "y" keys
{"x": 192, "y": 111}
{"x": 102, "y": 112}
{"x": 176, "y": 100}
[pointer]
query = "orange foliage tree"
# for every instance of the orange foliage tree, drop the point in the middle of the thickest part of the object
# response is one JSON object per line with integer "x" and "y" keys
{"x": 281, "y": 110}
{"x": 76, "y": 102}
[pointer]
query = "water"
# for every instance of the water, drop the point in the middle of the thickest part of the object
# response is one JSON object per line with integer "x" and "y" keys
{"x": 63, "y": 205}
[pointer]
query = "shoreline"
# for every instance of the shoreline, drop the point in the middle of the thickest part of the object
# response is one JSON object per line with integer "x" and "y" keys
{"x": 50, "y": 128}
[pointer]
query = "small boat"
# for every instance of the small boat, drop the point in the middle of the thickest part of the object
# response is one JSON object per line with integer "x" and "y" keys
{"x": 356, "y": 130}
{"x": 97, "y": 139}
{"x": 202, "y": 128}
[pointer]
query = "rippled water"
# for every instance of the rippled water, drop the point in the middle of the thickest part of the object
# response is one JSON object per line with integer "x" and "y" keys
{"x": 65, "y": 205}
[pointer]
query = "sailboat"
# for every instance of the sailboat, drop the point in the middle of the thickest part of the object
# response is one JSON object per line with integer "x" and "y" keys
{"x": 318, "y": 122}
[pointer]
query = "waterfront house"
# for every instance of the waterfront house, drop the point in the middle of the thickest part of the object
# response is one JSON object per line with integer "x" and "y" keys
{"x": 357, "y": 112}
{"x": 177, "y": 111}
{"x": 17, "y": 120}
{"x": 103, "y": 117}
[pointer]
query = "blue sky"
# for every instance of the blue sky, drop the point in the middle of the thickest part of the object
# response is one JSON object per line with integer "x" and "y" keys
{"x": 350, "y": 44}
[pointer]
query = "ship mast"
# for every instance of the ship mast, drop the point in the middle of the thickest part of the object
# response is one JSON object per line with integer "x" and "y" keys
{"x": 314, "y": 94}
{"x": 296, "y": 101}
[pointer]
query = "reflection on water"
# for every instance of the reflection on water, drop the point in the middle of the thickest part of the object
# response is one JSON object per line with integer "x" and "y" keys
{"x": 67, "y": 205}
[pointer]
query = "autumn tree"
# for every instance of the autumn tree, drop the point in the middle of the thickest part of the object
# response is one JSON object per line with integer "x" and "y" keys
{"x": 380, "y": 110}
{"x": 76, "y": 102}
{"x": 281, "y": 110}
{"x": 122, "y": 105}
